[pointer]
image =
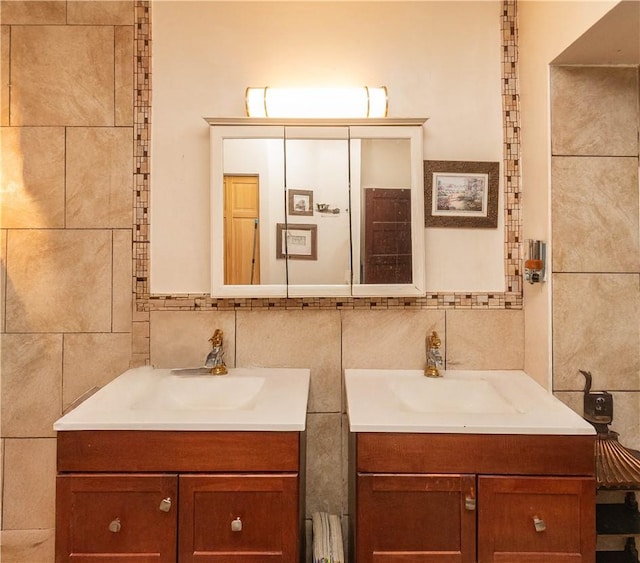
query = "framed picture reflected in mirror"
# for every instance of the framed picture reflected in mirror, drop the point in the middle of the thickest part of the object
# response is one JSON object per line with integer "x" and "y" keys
{"x": 298, "y": 242}
{"x": 300, "y": 202}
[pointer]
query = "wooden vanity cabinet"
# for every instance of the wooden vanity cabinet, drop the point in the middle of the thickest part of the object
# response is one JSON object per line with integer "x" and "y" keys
{"x": 415, "y": 517}
{"x": 238, "y": 518}
{"x": 445, "y": 498}
{"x": 545, "y": 519}
{"x": 111, "y": 517}
{"x": 160, "y": 496}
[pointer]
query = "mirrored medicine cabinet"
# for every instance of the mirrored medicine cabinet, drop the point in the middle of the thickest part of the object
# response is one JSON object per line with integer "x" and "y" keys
{"x": 303, "y": 208}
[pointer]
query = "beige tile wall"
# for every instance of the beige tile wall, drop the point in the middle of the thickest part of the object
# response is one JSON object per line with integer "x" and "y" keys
{"x": 36, "y": 12}
{"x": 595, "y": 231}
{"x": 62, "y": 75}
{"x": 66, "y": 218}
{"x": 595, "y": 317}
{"x": 34, "y": 197}
{"x": 59, "y": 280}
{"x": 4, "y": 74}
{"x": 98, "y": 182}
{"x": 594, "y": 111}
{"x": 3, "y": 277}
{"x": 31, "y": 383}
{"x": 594, "y": 212}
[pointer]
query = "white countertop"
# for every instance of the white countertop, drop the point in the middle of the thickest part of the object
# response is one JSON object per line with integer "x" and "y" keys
{"x": 262, "y": 399}
{"x": 470, "y": 402}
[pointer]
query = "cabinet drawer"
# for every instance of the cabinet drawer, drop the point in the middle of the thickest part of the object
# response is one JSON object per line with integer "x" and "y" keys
{"x": 508, "y": 508}
{"x": 239, "y": 518}
{"x": 491, "y": 454}
{"x": 116, "y": 518}
{"x": 415, "y": 518}
{"x": 176, "y": 451}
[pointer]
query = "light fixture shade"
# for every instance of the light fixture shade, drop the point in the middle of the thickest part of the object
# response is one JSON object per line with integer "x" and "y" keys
{"x": 317, "y": 102}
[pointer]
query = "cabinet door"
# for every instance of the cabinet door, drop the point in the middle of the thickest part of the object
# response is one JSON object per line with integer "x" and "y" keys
{"x": 415, "y": 518}
{"x": 239, "y": 518}
{"x": 536, "y": 520}
{"x": 116, "y": 518}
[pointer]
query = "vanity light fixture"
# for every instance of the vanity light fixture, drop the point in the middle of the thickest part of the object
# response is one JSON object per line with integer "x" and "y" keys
{"x": 360, "y": 102}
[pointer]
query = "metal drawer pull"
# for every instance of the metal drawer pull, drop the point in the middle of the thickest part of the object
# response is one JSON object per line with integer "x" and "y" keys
{"x": 165, "y": 504}
{"x": 470, "y": 500}
{"x": 114, "y": 525}
{"x": 539, "y": 524}
{"x": 236, "y": 525}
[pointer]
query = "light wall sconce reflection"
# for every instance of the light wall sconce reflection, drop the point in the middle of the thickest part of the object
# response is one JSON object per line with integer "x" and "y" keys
{"x": 363, "y": 102}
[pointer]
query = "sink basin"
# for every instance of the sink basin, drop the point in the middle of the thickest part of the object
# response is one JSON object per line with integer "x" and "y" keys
{"x": 440, "y": 395}
{"x": 462, "y": 401}
{"x": 269, "y": 399}
{"x": 205, "y": 392}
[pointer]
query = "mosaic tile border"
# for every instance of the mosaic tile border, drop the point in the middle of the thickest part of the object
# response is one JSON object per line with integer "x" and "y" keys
{"x": 511, "y": 151}
{"x": 199, "y": 302}
{"x": 142, "y": 142}
{"x": 510, "y": 299}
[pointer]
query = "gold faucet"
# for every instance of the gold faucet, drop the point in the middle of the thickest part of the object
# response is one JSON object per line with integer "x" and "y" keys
{"x": 434, "y": 357}
{"x": 215, "y": 359}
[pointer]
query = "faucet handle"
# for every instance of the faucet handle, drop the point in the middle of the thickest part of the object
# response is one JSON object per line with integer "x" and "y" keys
{"x": 215, "y": 359}
{"x": 434, "y": 358}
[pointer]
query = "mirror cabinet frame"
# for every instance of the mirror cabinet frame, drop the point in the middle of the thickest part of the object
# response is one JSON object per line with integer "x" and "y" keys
{"x": 252, "y": 128}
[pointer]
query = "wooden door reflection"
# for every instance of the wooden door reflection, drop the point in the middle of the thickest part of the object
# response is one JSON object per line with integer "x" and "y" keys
{"x": 387, "y": 234}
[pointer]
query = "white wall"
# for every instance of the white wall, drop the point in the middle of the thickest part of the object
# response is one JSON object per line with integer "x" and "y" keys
{"x": 322, "y": 166}
{"x": 546, "y": 29}
{"x": 440, "y": 60}
{"x": 264, "y": 158}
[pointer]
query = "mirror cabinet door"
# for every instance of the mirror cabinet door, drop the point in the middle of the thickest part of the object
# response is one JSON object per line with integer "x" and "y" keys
{"x": 247, "y": 199}
{"x": 387, "y": 213}
{"x": 317, "y": 246}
